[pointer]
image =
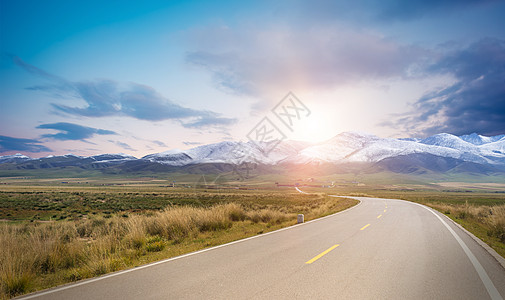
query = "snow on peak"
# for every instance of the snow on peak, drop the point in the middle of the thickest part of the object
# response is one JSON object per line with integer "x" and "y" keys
{"x": 449, "y": 141}
{"x": 229, "y": 152}
{"x": 171, "y": 151}
{"x": 358, "y": 147}
{"x": 17, "y": 155}
{"x": 13, "y": 158}
{"x": 118, "y": 157}
{"x": 478, "y": 139}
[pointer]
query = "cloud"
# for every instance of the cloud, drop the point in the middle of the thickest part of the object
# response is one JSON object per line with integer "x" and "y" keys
{"x": 36, "y": 71}
{"x": 106, "y": 98}
{"x": 110, "y": 98}
{"x": 256, "y": 61}
{"x": 475, "y": 103}
{"x": 159, "y": 143}
{"x": 123, "y": 145}
{"x": 16, "y": 144}
{"x": 191, "y": 143}
{"x": 70, "y": 131}
{"x": 210, "y": 120}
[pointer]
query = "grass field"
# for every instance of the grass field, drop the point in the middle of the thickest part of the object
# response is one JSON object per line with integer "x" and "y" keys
{"x": 53, "y": 234}
{"x": 57, "y": 230}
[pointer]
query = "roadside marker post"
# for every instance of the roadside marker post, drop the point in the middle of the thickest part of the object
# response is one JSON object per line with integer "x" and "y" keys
{"x": 300, "y": 218}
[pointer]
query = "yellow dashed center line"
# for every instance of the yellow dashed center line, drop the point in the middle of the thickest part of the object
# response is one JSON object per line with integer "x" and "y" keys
{"x": 322, "y": 254}
{"x": 335, "y": 246}
{"x": 362, "y": 228}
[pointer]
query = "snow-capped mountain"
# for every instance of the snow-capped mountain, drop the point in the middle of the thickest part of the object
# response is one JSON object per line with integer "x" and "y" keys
{"x": 229, "y": 152}
{"x": 344, "y": 148}
{"x": 347, "y": 147}
{"x": 68, "y": 160}
{"x": 18, "y": 157}
{"x": 355, "y": 147}
{"x": 107, "y": 158}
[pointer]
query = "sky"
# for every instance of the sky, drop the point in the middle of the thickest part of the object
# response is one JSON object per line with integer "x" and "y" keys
{"x": 141, "y": 77}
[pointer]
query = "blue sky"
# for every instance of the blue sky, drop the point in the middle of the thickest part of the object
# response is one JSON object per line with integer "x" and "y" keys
{"x": 90, "y": 77}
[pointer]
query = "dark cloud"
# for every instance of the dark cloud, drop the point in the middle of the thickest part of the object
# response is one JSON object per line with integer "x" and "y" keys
{"x": 261, "y": 61}
{"x": 16, "y": 144}
{"x": 475, "y": 103}
{"x": 69, "y": 131}
{"x": 109, "y": 98}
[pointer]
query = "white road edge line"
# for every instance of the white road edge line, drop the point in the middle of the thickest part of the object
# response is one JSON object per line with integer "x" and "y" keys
{"x": 491, "y": 289}
{"x": 488, "y": 283}
{"x": 86, "y": 281}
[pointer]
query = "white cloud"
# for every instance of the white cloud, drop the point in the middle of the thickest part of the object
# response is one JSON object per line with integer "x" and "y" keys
{"x": 258, "y": 62}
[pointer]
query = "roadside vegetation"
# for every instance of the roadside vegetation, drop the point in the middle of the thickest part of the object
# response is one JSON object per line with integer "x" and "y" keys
{"x": 486, "y": 222}
{"x": 50, "y": 237}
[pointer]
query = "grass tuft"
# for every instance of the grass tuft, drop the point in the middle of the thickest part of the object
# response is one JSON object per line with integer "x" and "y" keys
{"x": 16, "y": 283}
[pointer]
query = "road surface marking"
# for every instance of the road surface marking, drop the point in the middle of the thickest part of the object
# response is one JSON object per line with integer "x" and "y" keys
{"x": 322, "y": 254}
{"x": 379, "y": 216}
{"x": 385, "y": 210}
{"x": 484, "y": 277}
{"x": 362, "y": 228}
{"x": 491, "y": 289}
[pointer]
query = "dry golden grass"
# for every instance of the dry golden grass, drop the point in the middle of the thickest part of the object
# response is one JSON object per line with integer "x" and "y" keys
{"x": 491, "y": 216}
{"x": 40, "y": 255}
{"x": 97, "y": 246}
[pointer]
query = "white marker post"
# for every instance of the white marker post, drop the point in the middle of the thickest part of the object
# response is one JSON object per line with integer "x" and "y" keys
{"x": 300, "y": 218}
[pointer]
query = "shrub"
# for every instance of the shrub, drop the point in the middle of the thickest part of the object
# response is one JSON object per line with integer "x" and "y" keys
{"x": 462, "y": 215}
{"x": 155, "y": 246}
{"x": 16, "y": 283}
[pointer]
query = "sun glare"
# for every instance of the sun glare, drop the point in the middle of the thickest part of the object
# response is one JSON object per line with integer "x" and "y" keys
{"x": 313, "y": 129}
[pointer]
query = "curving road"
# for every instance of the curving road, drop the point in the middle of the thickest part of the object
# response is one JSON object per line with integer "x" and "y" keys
{"x": 380, "y": 249}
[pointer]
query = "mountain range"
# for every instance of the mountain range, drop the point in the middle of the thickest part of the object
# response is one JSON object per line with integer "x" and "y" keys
{"x": 348, "y": 151}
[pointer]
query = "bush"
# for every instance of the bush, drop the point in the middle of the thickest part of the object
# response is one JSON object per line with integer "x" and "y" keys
{"x": 155, "y": 246}
{"x": 462, "y": 215}
{"x": 16, "y": 284}
{"x": 498, "y": 232}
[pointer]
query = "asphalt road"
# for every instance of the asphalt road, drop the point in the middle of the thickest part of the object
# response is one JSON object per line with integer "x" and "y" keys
{"x": 380, "y": 249}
